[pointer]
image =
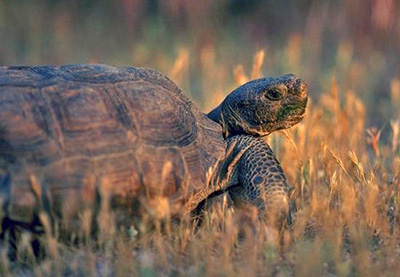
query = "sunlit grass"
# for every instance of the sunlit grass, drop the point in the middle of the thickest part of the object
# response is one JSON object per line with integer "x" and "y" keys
{"x": 343, "y": 159}
{"x": 346, "y": 190}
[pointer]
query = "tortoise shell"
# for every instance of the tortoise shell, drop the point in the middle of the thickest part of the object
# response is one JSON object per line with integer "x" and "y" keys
{"x": 70, "y": 133}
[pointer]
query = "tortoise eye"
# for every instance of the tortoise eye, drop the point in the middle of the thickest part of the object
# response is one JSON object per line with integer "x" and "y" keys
{"x": 274, "y": 95}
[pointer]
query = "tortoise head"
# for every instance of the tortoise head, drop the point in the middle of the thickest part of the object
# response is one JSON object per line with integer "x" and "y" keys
{"x": 262, "y": 106}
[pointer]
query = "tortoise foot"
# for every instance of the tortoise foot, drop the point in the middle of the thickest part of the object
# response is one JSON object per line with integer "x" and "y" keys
{"x": 11, "y": 234}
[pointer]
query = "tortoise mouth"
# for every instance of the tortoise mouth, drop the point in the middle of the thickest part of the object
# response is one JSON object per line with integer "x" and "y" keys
{"x": 293, "y": 117}
{"x": 292, "y": 110}
{"x": 294, "y": 120}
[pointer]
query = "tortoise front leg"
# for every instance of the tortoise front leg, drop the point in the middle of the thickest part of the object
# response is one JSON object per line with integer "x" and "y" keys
{"x": 252, "y": 176}
{"x": 257, "y": 178}
{"x": 5, "y": 192}
{"x": 11, "y": 229}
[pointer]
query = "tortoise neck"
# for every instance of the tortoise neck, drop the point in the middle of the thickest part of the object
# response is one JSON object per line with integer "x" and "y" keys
{"x": 216, "y": 114}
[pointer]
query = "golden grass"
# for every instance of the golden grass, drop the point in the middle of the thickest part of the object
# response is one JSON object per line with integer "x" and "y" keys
{"x": 346, "y": 189}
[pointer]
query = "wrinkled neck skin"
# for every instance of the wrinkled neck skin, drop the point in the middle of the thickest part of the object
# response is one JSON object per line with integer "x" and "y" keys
{"x": 231, "y": 124}
{"x": 216, "y": 114}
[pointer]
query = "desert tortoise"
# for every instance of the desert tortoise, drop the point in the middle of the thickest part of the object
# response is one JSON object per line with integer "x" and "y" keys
{"x": 72, "y": 135}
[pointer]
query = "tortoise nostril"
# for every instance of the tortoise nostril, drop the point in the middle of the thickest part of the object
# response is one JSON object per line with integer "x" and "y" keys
{"x": 301, "y": 88}
{"x": 289, "y": 76}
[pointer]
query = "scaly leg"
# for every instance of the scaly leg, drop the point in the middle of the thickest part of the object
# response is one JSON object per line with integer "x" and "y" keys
{"x": 258, "y": 179}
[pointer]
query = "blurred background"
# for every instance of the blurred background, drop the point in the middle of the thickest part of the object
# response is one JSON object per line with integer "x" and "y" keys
{"x": 208, "y": 47}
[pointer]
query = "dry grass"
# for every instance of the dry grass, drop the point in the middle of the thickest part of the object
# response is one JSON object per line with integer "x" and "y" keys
{"x": 343, "y": 159}
{"x": 346, "y": 190}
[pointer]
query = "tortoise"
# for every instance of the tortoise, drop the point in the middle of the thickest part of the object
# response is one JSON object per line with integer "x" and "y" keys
{"x": 74, "y": 135}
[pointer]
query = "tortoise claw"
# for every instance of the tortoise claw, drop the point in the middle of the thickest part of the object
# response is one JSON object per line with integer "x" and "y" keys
{"x": 5, "y": 191}
{"x": 292, "y": 210}
{"x": 391, "y": 219}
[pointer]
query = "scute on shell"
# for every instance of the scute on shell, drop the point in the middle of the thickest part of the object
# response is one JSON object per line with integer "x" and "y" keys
{"x": 84, "y": 129}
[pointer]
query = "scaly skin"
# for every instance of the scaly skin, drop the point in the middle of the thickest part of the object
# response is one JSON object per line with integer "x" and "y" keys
{"x": 258, "y": 178}
{"x": 262, "y": 106}
{"x": 252, "y": 176}
{"x": 250, "y": 171}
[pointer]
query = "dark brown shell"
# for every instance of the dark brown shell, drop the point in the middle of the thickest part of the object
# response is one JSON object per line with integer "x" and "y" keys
{"x": 72, "y": 131}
